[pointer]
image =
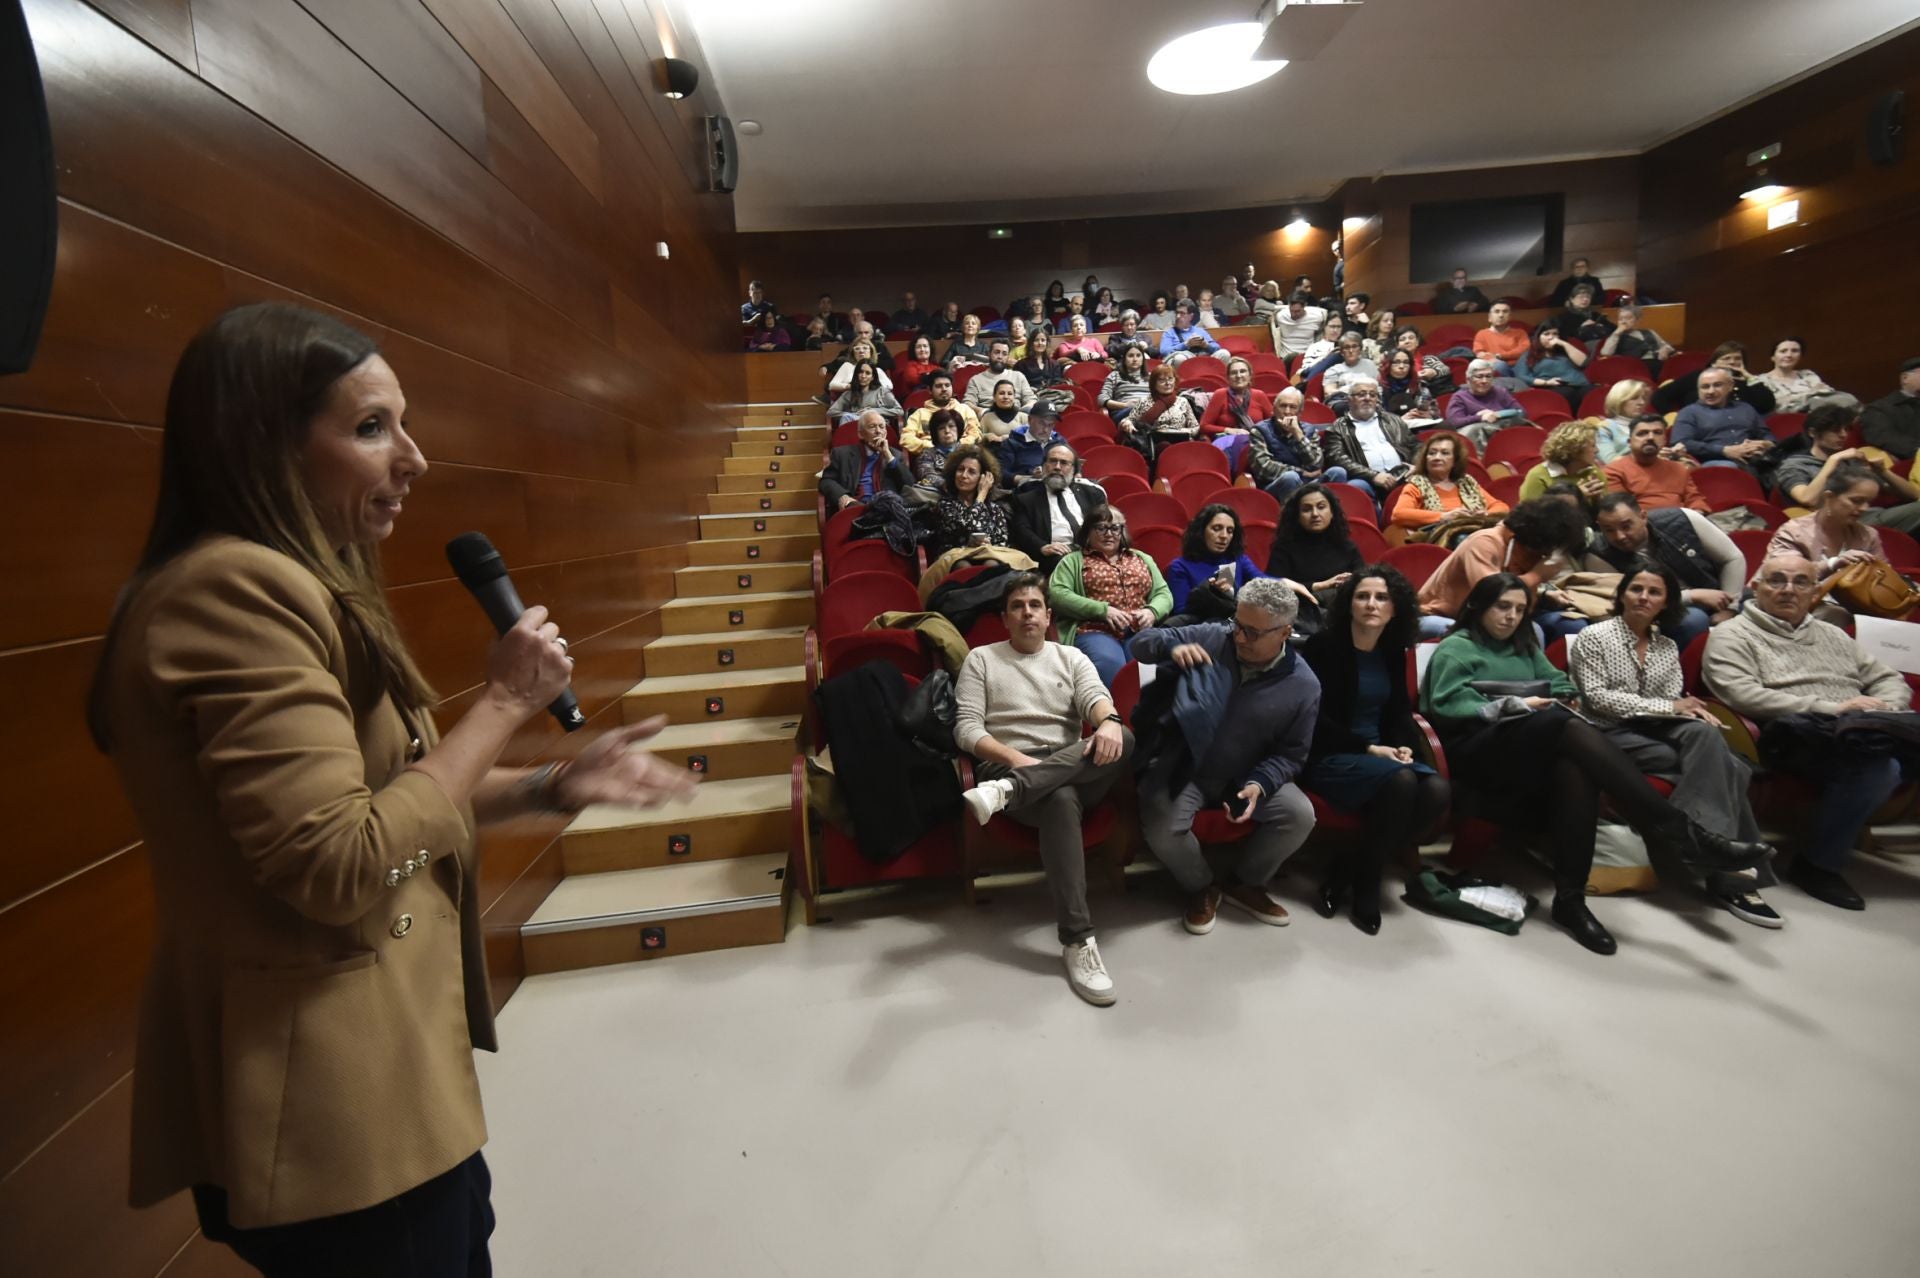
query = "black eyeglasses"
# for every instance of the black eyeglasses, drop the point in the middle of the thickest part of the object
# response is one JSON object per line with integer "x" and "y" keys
{"x": 1106, "y": 525}
{"x": 1252, "y": 633}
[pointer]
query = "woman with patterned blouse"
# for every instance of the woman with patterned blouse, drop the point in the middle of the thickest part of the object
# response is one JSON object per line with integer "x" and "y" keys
{"x": 966, "y": 512}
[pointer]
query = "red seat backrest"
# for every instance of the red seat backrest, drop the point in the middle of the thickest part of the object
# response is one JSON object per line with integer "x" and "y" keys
{"x": 1372, "y": 545}
{"x": 1192, "y": 456}
{"x": 1159, "y": 543}
{"x": 1092, "y": 372}
{"x": 1753, "y": 544}
{"x": 1119, "y": 486}
{"x": 1786, "y": 425}
{"x": 1507, "y": 488}
{"x": 1144, "y": 510}
{"x": 1359, "y": 507}
{"x": 1690, "y": 659}
{"x": 1680, "y": 363}
{"x": 1202, "y": 369}
{"x": 1536, "y": 402}
{"x": 1259, "y": 536}
{"x": 853, "y": 599}
{"x": 1903, "y": 551}
{"x": 1446, "y": 335}
{"x": 869, "y": 555}
{"x": 1724, "y": 487}
{"x": 1113, "y": 459}
{"x": 1416, "y": 560}
{"x": 1608, "y": 369}
{"x": 1126, "y": 690}
{"x": 1251, "y": 504}
{"x": 1315, "y": 413}
{"x": 1197, "y": 489}
{"x": 1516, "y": 444}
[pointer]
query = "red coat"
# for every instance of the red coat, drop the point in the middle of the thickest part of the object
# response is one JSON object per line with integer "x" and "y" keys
{"x": 1219, "y": 415}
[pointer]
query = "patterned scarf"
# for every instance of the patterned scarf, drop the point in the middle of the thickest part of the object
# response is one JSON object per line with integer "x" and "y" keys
{"x": 1471, "y": 498}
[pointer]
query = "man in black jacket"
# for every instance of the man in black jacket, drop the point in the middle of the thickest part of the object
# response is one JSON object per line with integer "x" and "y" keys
{"x": 855, "y": 472}
{"x": 1893, "y": 423}
{"x": 1459, "y": 297}
{"x": 1582, "y": 274}
{"x": 1043, "y": 519}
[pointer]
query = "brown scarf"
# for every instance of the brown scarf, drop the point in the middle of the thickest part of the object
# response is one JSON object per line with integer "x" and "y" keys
{"x": 1472, "y": 500}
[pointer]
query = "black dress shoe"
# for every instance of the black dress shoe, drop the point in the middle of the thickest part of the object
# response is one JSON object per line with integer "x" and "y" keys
{"x": 1823, "y": 885}
{"x": 1366, "y": 917}
{"x": 1327, "y": 902}
{"x": 1572, "y": 914}
{"x": 1701, "y": 848}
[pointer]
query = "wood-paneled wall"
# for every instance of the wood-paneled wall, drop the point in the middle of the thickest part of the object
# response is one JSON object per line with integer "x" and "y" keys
{"x": 1843, "y": 276}
{"x": 1132, "y": 255}
{"x": 478, "y": 183}
{"x": 1600, "y": 211}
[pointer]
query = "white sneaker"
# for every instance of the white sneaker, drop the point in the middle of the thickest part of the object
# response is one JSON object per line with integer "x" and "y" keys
{"x": 1087, "y": 974}
{"x": 988, "y": 798}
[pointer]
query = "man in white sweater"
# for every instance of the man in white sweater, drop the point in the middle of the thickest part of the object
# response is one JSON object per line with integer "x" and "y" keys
{"x": 1775, "y": 659}
{"x": 1019, "y": 709}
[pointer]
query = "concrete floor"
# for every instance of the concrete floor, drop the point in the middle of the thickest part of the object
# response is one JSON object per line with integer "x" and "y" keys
{"x": 912, "y": 1090}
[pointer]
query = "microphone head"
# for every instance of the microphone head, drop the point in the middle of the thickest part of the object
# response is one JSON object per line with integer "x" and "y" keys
{"x": 474, "y": 560}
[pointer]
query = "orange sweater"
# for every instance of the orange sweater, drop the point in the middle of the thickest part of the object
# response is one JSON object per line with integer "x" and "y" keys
{"x": 1665, "y": 483}
{"x": 1410, "y": 512}
{"x": 1510, "y": 345}
{"x": 1486, "y": 552}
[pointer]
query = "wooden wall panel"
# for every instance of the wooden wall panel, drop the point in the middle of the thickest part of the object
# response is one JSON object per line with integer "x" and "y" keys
{"x": 461, "y": 181}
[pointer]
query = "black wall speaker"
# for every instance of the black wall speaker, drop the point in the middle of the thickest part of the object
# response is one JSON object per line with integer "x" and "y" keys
{"x": 1886, "y": 129}
{"x": 723, "y": 156}
{"x": 29, "y": 220}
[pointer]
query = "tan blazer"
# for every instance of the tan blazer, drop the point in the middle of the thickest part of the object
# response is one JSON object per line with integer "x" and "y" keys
{"x": 318, "y": 980}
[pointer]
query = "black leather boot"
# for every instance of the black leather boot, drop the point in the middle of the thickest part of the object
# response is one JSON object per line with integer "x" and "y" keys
{"x": 1571, "y": 913}
{"x": 1692, "y": 843}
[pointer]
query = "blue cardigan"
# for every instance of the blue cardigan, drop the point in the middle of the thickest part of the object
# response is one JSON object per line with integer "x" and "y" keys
{"x": 1184, "y": 574}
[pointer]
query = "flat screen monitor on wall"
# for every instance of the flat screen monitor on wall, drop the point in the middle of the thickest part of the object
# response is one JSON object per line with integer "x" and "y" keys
{"x": 1493, "y": 239}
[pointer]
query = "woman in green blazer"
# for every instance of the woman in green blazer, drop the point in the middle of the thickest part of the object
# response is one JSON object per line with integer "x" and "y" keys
{"x": 1106, "y": 592}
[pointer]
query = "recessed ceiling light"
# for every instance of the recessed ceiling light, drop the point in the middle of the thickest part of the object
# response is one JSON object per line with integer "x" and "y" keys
{"x": 1764, "y": 193}
{"x": 1213, "y": 60}
{"x": 749, "y": 127}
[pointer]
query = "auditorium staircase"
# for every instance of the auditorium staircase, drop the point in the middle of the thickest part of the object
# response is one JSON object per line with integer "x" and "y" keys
{"x": 728, "y": 671}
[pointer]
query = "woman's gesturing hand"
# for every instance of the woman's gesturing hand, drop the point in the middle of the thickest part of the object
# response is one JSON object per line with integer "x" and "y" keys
{"x": 611, "y": 771}
{"x": 528, "y": 666}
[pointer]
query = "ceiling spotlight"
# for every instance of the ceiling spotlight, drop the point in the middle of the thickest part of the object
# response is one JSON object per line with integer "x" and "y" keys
{"x": 1299, "y": 226}
{"x": 749, "y": 127}
{"x": 681, "y": 77}
{"x": 1761, "y": 194}
{"x": 1213, "y": 60}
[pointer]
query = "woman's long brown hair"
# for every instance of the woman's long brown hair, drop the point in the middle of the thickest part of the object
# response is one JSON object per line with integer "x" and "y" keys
{"x": 239, "y": 410}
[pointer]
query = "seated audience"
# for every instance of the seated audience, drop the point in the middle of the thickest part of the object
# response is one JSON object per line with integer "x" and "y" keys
{"x": 1710, "y": 569}
{"x": 1802, "y": 475}
{"x": 1582, "y": 320}
{"x": 766, "y": 333}
{"x": 1106, "y": 592}
{"x": 839, "y": 370}
{"x": 1627, "y": 669}
{"x": 1019, "y": 708}
{"x": 1212, "y": 565}
{"x": 1042, "y": 367}
{"x": 1229, "y": 303}
{"x": 909, "y": 316}
{"x": 1322, "y": 352}
{"x": 1893, "y": 423}
{"x": 1076, "y": 310}
{"x": 1233, "y": 413}
{"x": 1127, "y": 387}
{"x": 1355, "y": 319}
{"x": 817, "y": 338}
{"x": 1261, "y": 704}
{"x": 1525, "y": 759}
{"x": 1379, "y": 334}
{"x": 1440, "y": 488}
{"x": 1501, "y": 341}
{"x": 1002, "y": 416}
{"x": 1185, "y": 338}
{"x": 1835, "y": 535}
{"x": 1799, "y": 678}
{"x": 999, "y": 368}
{"x": 967, "y": 514}
{"x": 1313, "y": 553}
{"x": 1537, "y": 541}
{"x": 836, "y": 329}
{"x": 1281, "y": 455}
{"x": 1337, "y": 380}
{"x": 944, "y": 428}
{"x": 1653, "y": 471}
{"x": 855, "y": 472}
{"x": 1204, "y": 314}
{"x": 1731, "y": 359}
{"x": 1796, "y": 389}
{"x": 1433, "y": 370}
{"x": 863, "y": 332}
{"x": 1159, "y": 316}
{"x": 1554, "y": 364}
{"x": 1459, "y": 297}
{"x": 1402, "y": 390}
{"x": 1105, "y": 309}
{"x": 1054, "y": 301}
{"x": 1719, "y": 430}
{"x": 1045, "y": 519}
{"x": 948, "y": 323}
{"x": 1364, "y": 740}
{"x": 1582, "y": 276}
{"x": 1016, "y": 333}
{"x": 1167, "y": 418}
{"x": 1129, "y": 335}
{"x": 1267, "y": 304}
{"x": 1630, "y": 339}
{"x": 756, "y": 305}
{"x": 916, "y": 367}
{"x": 1022, "y": 451}
{"x": 914, "y": 436}
{"x": 864, "y": 392}
{"x": 1295, "y": 325}
{"x": 1483, "y": 406}
{"x": 1372, "y": 445}
{"x": 1570, "y": 453}
{"x": 1626, "y": 403}
{"x": 1079, "y": 344}
{"x": 968, "y": 348}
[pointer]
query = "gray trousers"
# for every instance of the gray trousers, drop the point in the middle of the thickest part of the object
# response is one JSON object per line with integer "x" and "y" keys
{"x": 1710, "y": 782}
{"x": 1051, "y": 796}
{"x": 1905, "y": 517}
{"x": 1282, "y": 822}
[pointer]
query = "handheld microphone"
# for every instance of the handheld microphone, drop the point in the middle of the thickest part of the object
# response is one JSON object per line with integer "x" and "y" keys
{"x": 481, "y": 570}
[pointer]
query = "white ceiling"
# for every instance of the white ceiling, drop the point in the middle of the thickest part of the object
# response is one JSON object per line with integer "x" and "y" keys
{"x": 911, "y": 112}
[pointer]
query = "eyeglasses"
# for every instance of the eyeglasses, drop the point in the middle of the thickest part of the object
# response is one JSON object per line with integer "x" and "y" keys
{"x": 1107, "y": 526}
{"x": 1363, "y": 394}
{"x": 1251, "y": 633}
{"x": 1777, "y": 581}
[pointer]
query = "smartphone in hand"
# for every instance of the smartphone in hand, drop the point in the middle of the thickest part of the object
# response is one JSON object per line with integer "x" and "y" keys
{"x": 1239, "y": 805}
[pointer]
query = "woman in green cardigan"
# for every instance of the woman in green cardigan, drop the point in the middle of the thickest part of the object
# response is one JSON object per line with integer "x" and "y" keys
{"x": 1106, "y": 592}
{"x": 1521, "y": 755}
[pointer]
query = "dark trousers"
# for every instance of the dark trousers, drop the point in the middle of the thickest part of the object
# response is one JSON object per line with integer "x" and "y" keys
{"x": 1051, "y": 796}
{"x": 435, "y": 1230}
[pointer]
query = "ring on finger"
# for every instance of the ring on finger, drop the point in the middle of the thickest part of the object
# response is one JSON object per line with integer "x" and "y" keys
{"x": 562, "y": 642}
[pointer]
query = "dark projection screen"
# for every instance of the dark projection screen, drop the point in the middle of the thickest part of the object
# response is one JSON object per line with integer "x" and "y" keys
{"x": 1492, "y": 239}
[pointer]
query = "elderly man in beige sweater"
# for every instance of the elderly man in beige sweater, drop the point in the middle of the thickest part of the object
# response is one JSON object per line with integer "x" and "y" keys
{"x": 1776, "y": 659}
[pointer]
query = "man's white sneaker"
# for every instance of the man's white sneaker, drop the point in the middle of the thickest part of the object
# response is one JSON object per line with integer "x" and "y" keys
{"x": 1087, "y": 974}
{"x": 988, "y": 798}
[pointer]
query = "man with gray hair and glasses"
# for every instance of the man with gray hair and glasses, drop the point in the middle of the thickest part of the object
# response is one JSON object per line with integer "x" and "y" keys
{"x": 1234, "y": 733}
{"x": 1828, "y": 711}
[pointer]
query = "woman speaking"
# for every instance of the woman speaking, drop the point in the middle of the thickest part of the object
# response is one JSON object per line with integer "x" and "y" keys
{"x": 305, "y": 1061}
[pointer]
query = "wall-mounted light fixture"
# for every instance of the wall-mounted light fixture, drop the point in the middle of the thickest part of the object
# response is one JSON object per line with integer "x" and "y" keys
{"x": 1761, "y": 194}
{"x": 679, "y": 76}
{"x": 1299, "y": 226}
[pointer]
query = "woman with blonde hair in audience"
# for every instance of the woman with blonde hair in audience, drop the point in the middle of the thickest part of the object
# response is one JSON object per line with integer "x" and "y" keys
{"x": 1127, "y": 387}
{"x": 1626, "y": 404}
{"x": 1440, "y": 487}
{"x": 864, "y": 393}
{"x": 1268, "y": 303}
{"x": 1105, "y": 592}
{"x": 840, "y": 373}
{"x": 1796, "y": 389}
{"x": 1234, "y": 413}
{"x": 967, "y": 513}
{"x": 1078, "y": 344}
{"x": 1571, "y": 452}
{"x": 1164, "y": 420}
